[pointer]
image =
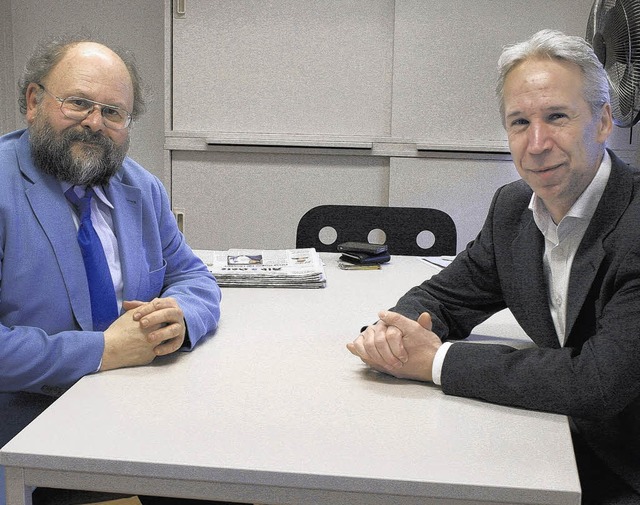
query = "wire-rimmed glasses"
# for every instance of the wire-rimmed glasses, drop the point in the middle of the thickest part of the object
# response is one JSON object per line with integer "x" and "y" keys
{"x": 78, "y": 108}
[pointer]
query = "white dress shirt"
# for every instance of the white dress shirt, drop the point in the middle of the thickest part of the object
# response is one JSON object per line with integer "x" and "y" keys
{"x": 560, "y": 247}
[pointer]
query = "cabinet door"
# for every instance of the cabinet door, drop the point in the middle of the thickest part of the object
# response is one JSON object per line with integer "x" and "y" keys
{"x": 445, "y": 61}
{"x": 283, "y": 66}
{"x": 250, "y": 200}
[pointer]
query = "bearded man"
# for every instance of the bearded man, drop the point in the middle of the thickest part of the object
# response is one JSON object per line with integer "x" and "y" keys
{"x": 94, "y": 273}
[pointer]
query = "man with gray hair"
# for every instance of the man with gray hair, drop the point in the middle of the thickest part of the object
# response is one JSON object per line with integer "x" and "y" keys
{"x": 561, "y": 249}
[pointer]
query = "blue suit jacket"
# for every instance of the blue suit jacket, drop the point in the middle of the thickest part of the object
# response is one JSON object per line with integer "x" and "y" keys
{"x": 595, "y": 378}
{"x": 46, "y": 337}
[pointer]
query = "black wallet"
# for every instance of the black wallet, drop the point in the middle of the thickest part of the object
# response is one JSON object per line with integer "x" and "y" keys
{"x": 364, "y": 253}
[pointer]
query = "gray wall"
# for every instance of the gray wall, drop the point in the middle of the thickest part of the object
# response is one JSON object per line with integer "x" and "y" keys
{"x": 292, "y": 86}
{"x": 7, "y": 97}
{"x": 139, "y": 25}
{"x": 135, "y": 25}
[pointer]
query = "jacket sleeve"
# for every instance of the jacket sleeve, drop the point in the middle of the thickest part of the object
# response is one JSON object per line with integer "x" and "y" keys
{"x": 597, "y": 379}
{"x": 187, "y": 278}
{"x": 462, "y": 295}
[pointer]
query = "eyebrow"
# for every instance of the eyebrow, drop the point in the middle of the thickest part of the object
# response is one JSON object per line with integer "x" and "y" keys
{"x": 553, "y": 108}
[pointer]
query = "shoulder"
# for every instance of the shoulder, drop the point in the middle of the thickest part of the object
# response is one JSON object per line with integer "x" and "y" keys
{"x": 618, "y": 213}
{"x": 133, "y": 172}
{"x": 623, "y": 173}
{"x": 8, "y": 145}
{"x": 9, "y": 139}
{"x": 514, "y": 192}
{"x": 15, "y": 161}
{"x": 511, "y": 204}
{"x": 135, "y": 175}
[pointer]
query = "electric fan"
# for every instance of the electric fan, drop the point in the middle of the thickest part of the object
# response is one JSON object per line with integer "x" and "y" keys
{"x": 613, "y": 31}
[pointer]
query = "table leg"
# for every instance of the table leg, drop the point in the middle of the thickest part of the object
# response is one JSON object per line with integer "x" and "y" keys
{"x": 17, "y": 492}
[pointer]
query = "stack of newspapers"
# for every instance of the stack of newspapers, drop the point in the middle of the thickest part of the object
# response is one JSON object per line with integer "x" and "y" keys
{"x": 272, "y": 268}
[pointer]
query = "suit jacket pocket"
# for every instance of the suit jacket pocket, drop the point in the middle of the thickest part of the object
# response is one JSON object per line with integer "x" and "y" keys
{"x": 155, "y": 282}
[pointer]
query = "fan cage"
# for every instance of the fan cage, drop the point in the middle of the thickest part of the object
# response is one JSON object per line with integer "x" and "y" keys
{"x": 613, "y": 30}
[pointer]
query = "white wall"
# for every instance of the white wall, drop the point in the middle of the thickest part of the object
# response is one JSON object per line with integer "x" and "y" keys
{"x": 136, "y": 25}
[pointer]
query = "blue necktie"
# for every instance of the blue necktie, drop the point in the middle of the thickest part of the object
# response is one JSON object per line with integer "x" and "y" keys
{"x": 104, "y": 307}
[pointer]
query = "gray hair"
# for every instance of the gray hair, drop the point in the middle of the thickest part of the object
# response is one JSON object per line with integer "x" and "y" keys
{"x": 556, "y": 45}
{"x": 49, "y": 53}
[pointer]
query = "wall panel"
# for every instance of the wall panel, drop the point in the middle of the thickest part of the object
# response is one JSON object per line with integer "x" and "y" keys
{"x": 255, "y": 200}
{"x": 285, "y": 66}
{"x": 280, "y": 105}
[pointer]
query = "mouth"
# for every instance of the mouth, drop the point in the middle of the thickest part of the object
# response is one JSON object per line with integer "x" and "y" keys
{"x": 545, "y": 170}
{"x": 87, "y": 144}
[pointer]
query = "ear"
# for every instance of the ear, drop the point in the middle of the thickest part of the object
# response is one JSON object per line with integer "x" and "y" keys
{"x": 605, "y": 125}
{"x": 32, "y": 101}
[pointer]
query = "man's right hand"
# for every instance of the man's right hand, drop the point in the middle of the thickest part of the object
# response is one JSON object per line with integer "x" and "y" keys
{"x": 126, "y": 342}
{"x": 398, "y": 346}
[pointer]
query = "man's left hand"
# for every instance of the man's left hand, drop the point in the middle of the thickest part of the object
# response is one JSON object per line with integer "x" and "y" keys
{"x": 167, "y": 315}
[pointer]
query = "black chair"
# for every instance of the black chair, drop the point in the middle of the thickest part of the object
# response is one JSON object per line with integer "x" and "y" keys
{"x": 409, "y": 231}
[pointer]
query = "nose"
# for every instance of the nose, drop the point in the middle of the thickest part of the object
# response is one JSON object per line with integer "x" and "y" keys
{"x": 94, "y": 119}
{"x": 539, "y": 137}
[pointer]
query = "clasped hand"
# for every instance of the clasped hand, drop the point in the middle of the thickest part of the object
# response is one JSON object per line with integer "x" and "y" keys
{"x": 144, "y": 331}
{"x": 398, "y": 346}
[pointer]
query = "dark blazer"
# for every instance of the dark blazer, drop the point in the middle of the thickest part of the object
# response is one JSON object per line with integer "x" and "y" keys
{"x": 595, "y": 378}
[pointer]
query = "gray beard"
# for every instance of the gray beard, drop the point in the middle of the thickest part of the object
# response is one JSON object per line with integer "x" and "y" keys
{"x": 52, "y": 153}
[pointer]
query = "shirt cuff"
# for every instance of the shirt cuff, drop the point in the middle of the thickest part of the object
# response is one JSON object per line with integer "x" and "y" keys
{"x": 438, "y": 361}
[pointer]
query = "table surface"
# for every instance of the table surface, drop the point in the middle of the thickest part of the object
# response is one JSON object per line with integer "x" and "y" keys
{"x": 274, "y": 409}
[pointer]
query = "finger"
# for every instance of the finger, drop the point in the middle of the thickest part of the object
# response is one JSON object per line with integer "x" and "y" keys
{"x": 377, "y": 342}
{"x": 395, "y": 335}
{"x": 360, "y": 353}
{"x": 160, "y": 334}
{"x": 128, "y": 305}
{"x": 396, "y": 345}
{"x": 169, "y": 346}
{"x": 357, "y": 347}
{"x": 352, "y": 349}
{"x": 364, "y": 348}
{"x": 154, "y": 305}
{"x": 425, "y": 321}
{"x": 167, "y": 315}
{"x": 404, "y": 324}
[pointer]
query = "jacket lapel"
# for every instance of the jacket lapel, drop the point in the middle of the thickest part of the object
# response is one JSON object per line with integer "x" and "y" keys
{"x": 532, "y": 312}
{"x": 54, "y": 216}
{"x": 613, "y": 203}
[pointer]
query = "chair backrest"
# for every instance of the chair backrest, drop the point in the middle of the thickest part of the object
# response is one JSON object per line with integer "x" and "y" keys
{"x": 409, "y": 231}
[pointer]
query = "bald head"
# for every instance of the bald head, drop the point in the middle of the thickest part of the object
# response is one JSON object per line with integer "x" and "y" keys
{"x": 55, "y": 56}
{"x": 91, "y": 70}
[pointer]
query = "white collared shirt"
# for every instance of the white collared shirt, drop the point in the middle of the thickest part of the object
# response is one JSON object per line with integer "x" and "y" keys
{"x": 561, "y": 244}
{"x": 103, "y": 223}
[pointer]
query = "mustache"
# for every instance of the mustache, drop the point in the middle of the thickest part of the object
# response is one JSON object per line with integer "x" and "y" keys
{"x": 96, "y": 159}
{"x": 88, "y": 137}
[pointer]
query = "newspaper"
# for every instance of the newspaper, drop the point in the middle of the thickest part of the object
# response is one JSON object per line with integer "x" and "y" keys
{"x": 273, "y": 268}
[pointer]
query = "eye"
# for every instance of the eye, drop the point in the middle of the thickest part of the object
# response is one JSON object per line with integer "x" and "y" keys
{"x": 112, "y": 113}
{"x": 518, "y": 124}
{"x": 76, "y": 103}
{"x": 557, "y": 116}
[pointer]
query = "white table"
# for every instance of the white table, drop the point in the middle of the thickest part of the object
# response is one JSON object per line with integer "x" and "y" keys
{"x": 274, "y": 409}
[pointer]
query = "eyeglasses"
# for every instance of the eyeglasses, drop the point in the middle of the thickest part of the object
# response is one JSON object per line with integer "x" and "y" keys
{"x": 78, "y": 109}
